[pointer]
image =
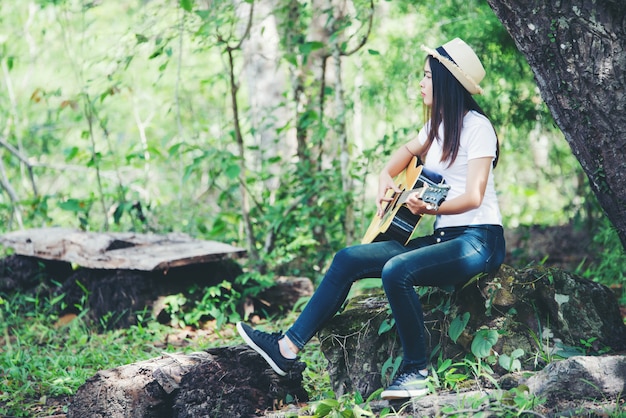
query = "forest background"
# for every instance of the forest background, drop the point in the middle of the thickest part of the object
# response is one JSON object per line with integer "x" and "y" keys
{"x": 258, "y": 124}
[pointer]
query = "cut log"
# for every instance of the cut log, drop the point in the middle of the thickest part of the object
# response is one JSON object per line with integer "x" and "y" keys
{"x": 226, "y": 382}
{"x": 122, "y": 250}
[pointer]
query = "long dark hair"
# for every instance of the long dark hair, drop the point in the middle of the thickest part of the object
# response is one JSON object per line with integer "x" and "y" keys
{"x": 450, "y": 103}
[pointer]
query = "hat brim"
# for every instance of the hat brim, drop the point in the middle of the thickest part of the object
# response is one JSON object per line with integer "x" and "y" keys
{"x": 465, "y": 79}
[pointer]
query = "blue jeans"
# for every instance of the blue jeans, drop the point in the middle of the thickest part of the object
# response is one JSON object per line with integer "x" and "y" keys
{"x": 448, "y": 257}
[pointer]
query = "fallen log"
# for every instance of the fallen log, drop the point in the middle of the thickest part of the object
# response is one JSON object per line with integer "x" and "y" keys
{"x": 226, "y": 382}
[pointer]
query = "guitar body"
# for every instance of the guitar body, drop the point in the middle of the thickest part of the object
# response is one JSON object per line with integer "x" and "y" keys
{"x": 397, "y": 221}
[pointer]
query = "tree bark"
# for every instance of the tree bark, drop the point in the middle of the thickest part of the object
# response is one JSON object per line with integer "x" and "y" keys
{"x": 576, "y": 51}
{"x": 219, "y": 382}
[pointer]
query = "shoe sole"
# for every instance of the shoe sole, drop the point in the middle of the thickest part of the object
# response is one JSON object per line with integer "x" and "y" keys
{"x": 259, "y": 350}
{"x": 402, "y": 394}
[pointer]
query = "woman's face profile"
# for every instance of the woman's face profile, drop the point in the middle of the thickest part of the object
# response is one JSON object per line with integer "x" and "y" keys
{"x": 426, "y": 85}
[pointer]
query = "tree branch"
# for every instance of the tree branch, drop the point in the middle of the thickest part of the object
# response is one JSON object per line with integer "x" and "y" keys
{"x": 245, "y": 209}
{"x": 24, "y": 160}
{"x": 4, "y": 181}
{"x": 370, "y": 24}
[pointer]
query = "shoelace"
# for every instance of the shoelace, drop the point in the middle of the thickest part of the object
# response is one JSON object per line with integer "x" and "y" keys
{"x": 405, "y": 377}
{"x": 274, "y": 336}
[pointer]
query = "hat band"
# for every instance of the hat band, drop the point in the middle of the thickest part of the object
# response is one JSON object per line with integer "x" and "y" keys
{"x": 445, "y": 54}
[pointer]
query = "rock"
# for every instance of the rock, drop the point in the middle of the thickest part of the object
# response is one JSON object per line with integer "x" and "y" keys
{"x": 546, "y": 312}
{"x": 229, "y": 381}
{"x": 578, "y": 386}
{"x": 355, "y": 349}
{"x": 584, "y": 377}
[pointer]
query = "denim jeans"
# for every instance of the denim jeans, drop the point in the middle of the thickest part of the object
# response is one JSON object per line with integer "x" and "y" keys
{"x": 448, "y": 257}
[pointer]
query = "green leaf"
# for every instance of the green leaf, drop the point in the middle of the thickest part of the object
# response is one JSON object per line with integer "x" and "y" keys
{"x": 232, "y": 171}
{"x": 517, "y": 353}
{"x": 187, "y": 5}
{"x": 325, "y": 407}
{"x": 175, "y": 149}
{"x": 386, "y": 325}
{"x": 484, "y": 340}
{"x": 75, "y": 205}
{"x": 508, "y": 363}
{"x": 373, "y": 52}
{"x": 291, "y": 59}
{"x": 457, "y": 326}
{"x": 157, "y": 52}
{"x": 308, "y": 47}
{"x": 361, "y": 413}
{"x": 444, "y": 366}
{"x": 456, "y": 377}
{"x": 71, "y": 153}
{"x": 141, "y": 38}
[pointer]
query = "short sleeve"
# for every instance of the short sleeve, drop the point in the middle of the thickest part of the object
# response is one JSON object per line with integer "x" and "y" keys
{"x": 423, "y": 134}
{"x": 481, "y": 139}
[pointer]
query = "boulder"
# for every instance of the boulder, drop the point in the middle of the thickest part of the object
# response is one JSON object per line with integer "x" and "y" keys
{"x": 581, "y": 377}
{"x": 574, "y": 387}
{"x": 548, "y": 313}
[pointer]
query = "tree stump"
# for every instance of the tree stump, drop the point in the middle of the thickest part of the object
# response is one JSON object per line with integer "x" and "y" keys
{"x": 226, "y": 382}
{"x": 546, "y": 312}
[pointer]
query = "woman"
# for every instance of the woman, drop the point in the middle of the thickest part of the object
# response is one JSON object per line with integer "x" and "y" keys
{"x": 458, "y": 142}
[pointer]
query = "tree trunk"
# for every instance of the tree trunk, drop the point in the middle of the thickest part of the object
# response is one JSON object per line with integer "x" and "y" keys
{"x": 576, "y": 50}
{"x": 266, "y": 81}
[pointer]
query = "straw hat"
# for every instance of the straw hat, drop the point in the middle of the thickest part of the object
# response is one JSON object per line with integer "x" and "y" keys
{"x": 461, "y": 60}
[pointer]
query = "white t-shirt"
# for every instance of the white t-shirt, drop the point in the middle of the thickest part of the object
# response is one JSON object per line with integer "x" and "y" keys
{"x": 478, "y": 140}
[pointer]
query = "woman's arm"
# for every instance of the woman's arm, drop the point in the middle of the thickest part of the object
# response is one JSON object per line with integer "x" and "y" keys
{"x": 399, "y": 161}
{"x": 475, "y": 185}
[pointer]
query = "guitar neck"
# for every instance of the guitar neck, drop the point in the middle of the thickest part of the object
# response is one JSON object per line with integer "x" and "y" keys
{"x": 407, "y": 193}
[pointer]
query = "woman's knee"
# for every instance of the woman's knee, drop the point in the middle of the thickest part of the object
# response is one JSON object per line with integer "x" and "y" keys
{"x": 352, "y": 255}
{"x": 345, "y": 255}
{"x": 394, "y": 275}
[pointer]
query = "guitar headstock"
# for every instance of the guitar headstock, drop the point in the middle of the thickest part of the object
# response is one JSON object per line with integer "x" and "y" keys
{"x": 435, "y": 194}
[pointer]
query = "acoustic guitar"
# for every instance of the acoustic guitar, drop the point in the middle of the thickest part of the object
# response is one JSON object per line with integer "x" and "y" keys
{"x": 397, "y": 221}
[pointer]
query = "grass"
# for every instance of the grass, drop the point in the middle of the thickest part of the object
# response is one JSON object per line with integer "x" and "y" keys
{"x": 43, "y": 361}
{"x": 41, "y": 358}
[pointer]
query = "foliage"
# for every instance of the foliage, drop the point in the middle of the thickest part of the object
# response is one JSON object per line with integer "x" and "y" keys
{"x": 608, "y": 267}
{"x": 346, "y": 406}
{"x": 42, "y": 357}
{"x": 457, "y": 326}
{"x": 511, "y": 362}
{"x": 147, "y": 124}
{"x": 220, "y": 302}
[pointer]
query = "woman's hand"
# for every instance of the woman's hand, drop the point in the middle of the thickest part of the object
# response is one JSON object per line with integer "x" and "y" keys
{"x": 398, "y": 162}
{"x": 416, "y": 205}
{"x": 385, "y": 183}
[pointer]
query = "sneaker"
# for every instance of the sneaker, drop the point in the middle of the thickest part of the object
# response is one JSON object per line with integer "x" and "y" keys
{"x": 406, "y": 385}
{"x": 267, "y": 346}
